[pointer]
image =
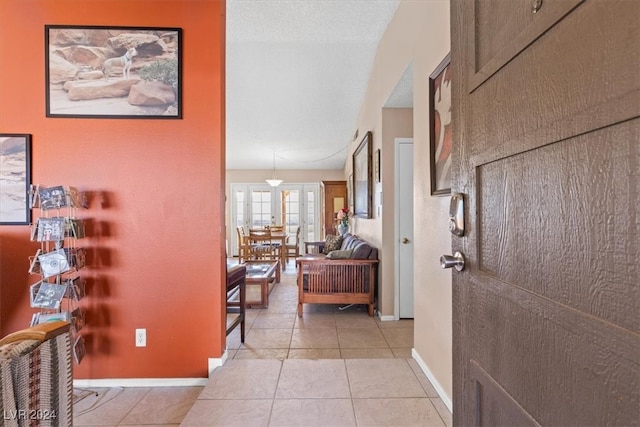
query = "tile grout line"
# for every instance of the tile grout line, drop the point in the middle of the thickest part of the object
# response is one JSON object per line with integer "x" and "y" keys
{"x": 431, "y": 399}
{"x": 426, "y": 392}
{"x": 133, "y": 407}
{"x": 275, "y": 392}
{"x": 353, "y": 406}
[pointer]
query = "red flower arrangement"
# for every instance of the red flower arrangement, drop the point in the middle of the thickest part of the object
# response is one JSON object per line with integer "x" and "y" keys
{"x": 343, "y": 215}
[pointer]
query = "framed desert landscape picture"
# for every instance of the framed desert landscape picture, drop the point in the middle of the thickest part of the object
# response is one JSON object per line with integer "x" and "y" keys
{"x": 15, "y": 178}
{"x": 113, "y": 72}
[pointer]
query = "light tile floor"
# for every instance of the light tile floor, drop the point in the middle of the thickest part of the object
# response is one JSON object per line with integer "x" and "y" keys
{"x": 332, "y": 367}
{"x": 318, "y": 392}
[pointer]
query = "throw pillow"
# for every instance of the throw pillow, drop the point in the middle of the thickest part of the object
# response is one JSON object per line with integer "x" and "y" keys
{"x": 332, "y": 243}
{"x": 340, "y": 254}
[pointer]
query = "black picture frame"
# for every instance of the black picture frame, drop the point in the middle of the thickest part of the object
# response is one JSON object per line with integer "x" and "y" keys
{"x": 350, "y": 193}
{"x": 363, "y": 178}
{"x": 113, "y": 72}
{"x": 15, "y": 178}
{"x": 440, "y": 133}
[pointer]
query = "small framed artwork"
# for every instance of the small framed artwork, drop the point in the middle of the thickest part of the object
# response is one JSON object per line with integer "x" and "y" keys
{"x": 113, "y": 72}
{"x": 363, "y": 178}
{"x": 15, "y": 179}
{"x": 350, "y": 192}
{"x": 440, "y": 128}
{"x": 376, "y": 165}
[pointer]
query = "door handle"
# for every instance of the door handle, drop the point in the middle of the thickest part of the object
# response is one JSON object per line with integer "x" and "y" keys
{"x": 405, "y": 240}
{"x": 456, "y": 261}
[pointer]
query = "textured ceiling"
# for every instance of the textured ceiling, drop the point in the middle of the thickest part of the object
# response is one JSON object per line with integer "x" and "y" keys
{"x": 297, "y": 71}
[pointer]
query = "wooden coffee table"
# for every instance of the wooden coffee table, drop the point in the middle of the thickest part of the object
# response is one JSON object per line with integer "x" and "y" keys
{"x": 261, "y": 277}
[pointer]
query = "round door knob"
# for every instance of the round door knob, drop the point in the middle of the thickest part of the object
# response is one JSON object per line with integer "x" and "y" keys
{"x": 456, "y": 261}
{"x": 405, "y": 240}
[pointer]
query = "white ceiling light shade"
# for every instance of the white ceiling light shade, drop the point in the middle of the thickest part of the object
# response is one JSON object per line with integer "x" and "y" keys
{"x": 274, "y": 182}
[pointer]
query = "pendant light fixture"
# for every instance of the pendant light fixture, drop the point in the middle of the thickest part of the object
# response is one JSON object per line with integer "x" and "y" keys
{"x": 274, "y": 182}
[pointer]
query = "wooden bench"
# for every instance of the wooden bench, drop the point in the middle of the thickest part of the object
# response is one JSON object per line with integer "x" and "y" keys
{"x": 339, "y": 281}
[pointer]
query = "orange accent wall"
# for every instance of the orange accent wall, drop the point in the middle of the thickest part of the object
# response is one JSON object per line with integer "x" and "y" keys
{"x": 156, "y": 235}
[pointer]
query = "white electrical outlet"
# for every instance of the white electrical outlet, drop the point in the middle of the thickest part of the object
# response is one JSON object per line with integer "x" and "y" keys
{"x": 141, "y": 337}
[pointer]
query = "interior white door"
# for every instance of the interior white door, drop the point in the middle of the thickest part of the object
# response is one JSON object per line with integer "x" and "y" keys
{"x": 404, "y": 200}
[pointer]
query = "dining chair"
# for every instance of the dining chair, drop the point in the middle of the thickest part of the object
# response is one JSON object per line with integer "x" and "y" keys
{"x": 261, "y": 246}
{"x": 242, "y": 244}
{"x": 278, "y": 242}
{"x": 293, "y": 249}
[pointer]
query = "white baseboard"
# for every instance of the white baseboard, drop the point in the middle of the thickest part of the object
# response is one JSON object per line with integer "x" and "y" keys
{"x": 213, "y": 363}
{"x": 446, "y": 399}
{"x": 141, "y": 382}
{"x": 217, "y": 362}
{"x": 385, "y": 318}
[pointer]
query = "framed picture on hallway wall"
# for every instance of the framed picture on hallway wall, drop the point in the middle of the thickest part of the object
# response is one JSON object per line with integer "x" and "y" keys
{"x": 440, "y": 128}
{"x": 350, "y": 192}
{"x": 113, "y": 72}
{"x": 15, "y": 179}
{"x": 363, "y": 178}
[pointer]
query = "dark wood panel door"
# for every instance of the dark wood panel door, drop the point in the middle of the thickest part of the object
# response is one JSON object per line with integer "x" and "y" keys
{"x": 547, "y": 153}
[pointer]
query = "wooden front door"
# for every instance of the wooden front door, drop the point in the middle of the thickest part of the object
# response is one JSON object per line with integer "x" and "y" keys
{"x": 546, "y": 107}
{"x": 335, "y": 198}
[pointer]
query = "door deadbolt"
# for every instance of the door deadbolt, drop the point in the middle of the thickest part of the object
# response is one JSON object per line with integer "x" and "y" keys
{"x": 405, "y": 240}
{"x": 456, "y": 214}
{"x": 456, "y": 261}
{"x": 536, "y": 6}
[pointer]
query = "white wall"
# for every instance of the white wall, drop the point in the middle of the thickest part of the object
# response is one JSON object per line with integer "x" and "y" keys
{"x": 417, "y": 35}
